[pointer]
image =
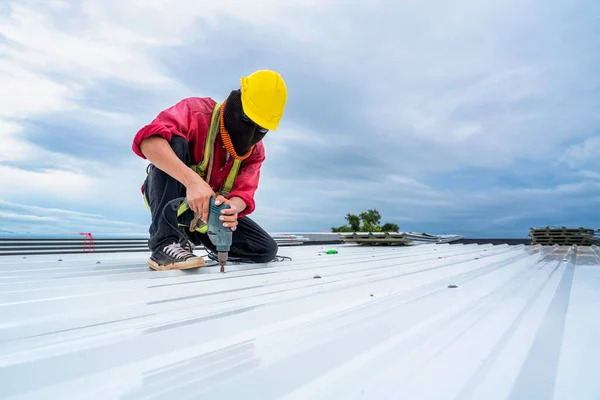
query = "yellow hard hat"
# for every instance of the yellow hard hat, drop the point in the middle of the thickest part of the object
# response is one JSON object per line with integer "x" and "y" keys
{"x": 263, "y": 98}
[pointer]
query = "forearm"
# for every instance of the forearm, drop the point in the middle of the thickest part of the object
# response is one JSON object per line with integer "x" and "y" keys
{"x": 239, "y": 204}
{"x": 158, "y": 151}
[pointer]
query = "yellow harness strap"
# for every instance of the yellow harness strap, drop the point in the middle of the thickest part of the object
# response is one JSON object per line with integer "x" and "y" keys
{"x": 208, "y": 156}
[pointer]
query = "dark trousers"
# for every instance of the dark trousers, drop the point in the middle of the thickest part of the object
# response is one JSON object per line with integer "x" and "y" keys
{"x": 249, "y": 242}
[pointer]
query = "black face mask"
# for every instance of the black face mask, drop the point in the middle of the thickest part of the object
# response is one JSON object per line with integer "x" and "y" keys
{"x": 243, "y": 132}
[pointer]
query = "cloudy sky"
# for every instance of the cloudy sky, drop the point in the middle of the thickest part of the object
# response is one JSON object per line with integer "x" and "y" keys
{"x": 479, "y": 118}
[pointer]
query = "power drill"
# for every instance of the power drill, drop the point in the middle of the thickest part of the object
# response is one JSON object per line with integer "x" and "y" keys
{"x": 219, "y": 235}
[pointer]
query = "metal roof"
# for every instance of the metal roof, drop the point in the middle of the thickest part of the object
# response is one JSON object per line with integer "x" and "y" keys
{"x": 85, "y": 242}
{"x": 369, "y": 322}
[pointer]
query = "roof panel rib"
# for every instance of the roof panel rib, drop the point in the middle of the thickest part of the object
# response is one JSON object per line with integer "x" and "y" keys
{"x": 433, "y": 321}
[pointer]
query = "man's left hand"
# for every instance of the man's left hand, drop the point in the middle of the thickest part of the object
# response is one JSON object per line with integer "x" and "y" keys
{"x": 229, "y": 215}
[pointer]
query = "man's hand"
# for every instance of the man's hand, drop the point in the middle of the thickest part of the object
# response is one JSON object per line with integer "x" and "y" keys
{"x": 159, "y": 152}
{"x": 198, "y": 196}
{"x": 229, "y": 215}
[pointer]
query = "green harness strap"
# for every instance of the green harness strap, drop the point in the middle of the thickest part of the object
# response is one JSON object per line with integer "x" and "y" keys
{"x": 201, "y": 168}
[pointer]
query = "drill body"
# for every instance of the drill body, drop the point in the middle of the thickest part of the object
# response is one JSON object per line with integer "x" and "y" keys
{"x": 218, "y": 234}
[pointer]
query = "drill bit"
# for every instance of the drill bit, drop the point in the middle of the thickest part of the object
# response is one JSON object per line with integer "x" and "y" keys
{"x": 222, "y": 257}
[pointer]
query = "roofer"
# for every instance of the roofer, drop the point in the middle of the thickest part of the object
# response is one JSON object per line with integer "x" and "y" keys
{"x": 201, "y": 149}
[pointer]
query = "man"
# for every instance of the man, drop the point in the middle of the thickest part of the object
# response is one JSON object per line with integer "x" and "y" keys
{"x": 199, "y": 149}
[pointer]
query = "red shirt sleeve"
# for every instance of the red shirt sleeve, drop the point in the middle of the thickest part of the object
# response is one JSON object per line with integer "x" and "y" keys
{"x": 175, "y": 120}
{"x": 246, "y": 182}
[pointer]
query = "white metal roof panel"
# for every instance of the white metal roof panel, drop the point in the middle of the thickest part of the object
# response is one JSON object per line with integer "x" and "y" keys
{"x": 368, "y": 323}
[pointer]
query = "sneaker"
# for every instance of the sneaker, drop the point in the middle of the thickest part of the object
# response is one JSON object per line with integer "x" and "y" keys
{"x": 187, "y": 244}
{"x": 173, "y": 256}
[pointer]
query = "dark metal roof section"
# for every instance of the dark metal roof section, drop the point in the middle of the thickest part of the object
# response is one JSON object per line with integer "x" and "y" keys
{"x": 431, "y": 321}
{"x": 87, "y": 243}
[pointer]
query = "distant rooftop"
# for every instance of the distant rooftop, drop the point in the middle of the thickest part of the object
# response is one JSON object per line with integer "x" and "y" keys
{"x": 432, "y": 321}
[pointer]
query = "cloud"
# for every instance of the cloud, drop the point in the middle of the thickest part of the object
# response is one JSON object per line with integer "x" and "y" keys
{"x": 38, "y": 209}
{"x": 22, "y": 218}
{"x": 458, "y": 117}
{"x": 584, "y": 154}
{"x": 102, "y": 53}
{"x": 52, "y": 182}
{"x": 589, "y": 174}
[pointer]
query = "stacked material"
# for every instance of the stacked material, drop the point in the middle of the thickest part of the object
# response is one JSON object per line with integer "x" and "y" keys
{"x": 449, "y": 238}
{"x": 395, "y": 238}
{"x": 305, "y": 238}
{"x": 550, "y": 236}
{"x": 375, "y": 238}
{"x": 421, "y": 238}
{"x": 283, "y": 239}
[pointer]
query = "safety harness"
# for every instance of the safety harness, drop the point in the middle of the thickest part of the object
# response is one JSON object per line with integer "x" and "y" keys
{"x": 208, "y": 156}
{"x": 202, "y": 170}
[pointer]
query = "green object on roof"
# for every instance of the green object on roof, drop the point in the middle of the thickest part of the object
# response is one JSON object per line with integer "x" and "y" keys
{"x": 329, "y": 252}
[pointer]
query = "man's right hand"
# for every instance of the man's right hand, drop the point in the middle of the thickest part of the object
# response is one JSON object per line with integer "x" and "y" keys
{"x": 198, "y": 196}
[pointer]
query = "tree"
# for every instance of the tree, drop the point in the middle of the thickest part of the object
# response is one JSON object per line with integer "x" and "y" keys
{"x": 388, "y": 227}
{"x": 370, "y": 223}
{"x": 354, "y": 221}
{"x": 371, "y": 217}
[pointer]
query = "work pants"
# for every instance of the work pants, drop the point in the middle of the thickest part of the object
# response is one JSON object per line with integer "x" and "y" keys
{"x": 249, "y": 240}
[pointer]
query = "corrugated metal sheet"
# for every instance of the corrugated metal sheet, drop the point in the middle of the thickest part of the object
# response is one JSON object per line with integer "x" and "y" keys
{"x": 29, "y": 245}
{"x": 366, "y": 323}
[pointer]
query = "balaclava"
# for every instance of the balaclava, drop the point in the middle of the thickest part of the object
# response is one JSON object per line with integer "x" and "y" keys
{"x": 242, "y": 131}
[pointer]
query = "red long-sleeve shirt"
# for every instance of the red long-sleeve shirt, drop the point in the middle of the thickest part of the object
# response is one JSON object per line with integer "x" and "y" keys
{"x": 190, "y": 119}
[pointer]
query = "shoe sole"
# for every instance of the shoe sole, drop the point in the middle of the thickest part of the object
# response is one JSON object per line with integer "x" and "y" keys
{"x": 193, "y": 263}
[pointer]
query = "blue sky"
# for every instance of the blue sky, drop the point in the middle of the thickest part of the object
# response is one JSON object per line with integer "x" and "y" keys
{"x": 467, "y": 117}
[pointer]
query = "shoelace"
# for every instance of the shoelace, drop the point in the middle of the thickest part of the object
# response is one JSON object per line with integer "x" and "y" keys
{"x": 187, "y": 245}
{"x": 175, "y": 250}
